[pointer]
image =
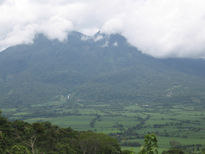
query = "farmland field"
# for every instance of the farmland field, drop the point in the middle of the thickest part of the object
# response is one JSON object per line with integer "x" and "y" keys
{"x": 181, "y": 124}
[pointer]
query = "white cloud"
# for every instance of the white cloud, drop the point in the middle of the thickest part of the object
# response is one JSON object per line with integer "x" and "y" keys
{"x": 98, "y": 38}
{"x": 115, "y": 44}
{"x": 113, "y": 26}
{"x": 106, "y": 44}
{"x": 161, "y": 28}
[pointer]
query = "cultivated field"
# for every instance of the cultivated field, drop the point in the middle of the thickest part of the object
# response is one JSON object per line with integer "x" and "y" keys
{"x": 174, "y": 124}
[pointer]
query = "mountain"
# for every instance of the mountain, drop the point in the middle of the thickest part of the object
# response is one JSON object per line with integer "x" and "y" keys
{"x": 93, "y": 70}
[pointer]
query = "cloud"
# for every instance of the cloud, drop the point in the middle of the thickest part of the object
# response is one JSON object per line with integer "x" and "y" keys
{"x": 161, "y": 28}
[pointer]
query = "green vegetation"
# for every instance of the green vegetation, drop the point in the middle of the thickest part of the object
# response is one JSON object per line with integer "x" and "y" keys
{"x": 113, "y": 90}
{"x": 150, "y": 146}
{"x": 176, "y": 126}
{"x": 19, "y": 137}
{"x": 46, "y": 72}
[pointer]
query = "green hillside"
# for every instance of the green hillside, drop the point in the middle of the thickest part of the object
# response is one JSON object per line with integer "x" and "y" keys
{"x": 106, "y": 86}
{"x": 89, "y": 72}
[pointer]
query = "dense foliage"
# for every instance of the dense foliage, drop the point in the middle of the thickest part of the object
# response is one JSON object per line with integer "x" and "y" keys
{"x": 150, "y": 145}
{"x": 19, "y": 137}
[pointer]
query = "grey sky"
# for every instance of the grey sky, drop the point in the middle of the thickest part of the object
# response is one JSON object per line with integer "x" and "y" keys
{"x": 161, "y": 28}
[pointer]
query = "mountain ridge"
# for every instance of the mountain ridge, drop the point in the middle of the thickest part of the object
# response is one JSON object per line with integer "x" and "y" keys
{"x": 95, "y": 69}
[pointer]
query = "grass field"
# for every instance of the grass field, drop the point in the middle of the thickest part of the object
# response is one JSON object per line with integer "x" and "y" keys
{"x": 181, "y": 124}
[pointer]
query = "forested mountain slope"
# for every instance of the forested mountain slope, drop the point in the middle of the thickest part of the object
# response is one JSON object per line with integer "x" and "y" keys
{"x": 92, "y": 70}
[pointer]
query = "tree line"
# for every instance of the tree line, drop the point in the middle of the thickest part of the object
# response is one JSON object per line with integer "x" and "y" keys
{"x": 19, "y": 137}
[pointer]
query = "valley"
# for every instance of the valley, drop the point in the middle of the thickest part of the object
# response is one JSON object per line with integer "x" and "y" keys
{"x": 182, "y": 124}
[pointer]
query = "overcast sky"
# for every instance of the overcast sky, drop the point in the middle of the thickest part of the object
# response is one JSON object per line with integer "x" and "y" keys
{"x": 161, "y": 28}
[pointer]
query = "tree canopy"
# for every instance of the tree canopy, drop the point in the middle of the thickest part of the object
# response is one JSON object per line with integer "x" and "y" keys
{"x": 19, "y": 137}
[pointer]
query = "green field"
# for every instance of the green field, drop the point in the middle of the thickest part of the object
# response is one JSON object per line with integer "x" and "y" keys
{"x": 181, "y": 124}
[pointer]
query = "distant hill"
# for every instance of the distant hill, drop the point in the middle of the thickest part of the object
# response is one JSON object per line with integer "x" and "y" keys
{"x": 95, "y": 69}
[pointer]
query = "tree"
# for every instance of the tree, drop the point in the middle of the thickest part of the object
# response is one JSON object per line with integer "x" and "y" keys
{"x": 127, "y": 152}
{"x": 174, "y": 144}
{"x": 19, "y": 149}
{"x": 31, "y": 144}
{"x": 203, "y": 151}
{"x": 173, "y": 151}
{"x": 150, "y": 145}
{"x": 65, "y": 148}
{"x": 93, "y": 143}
